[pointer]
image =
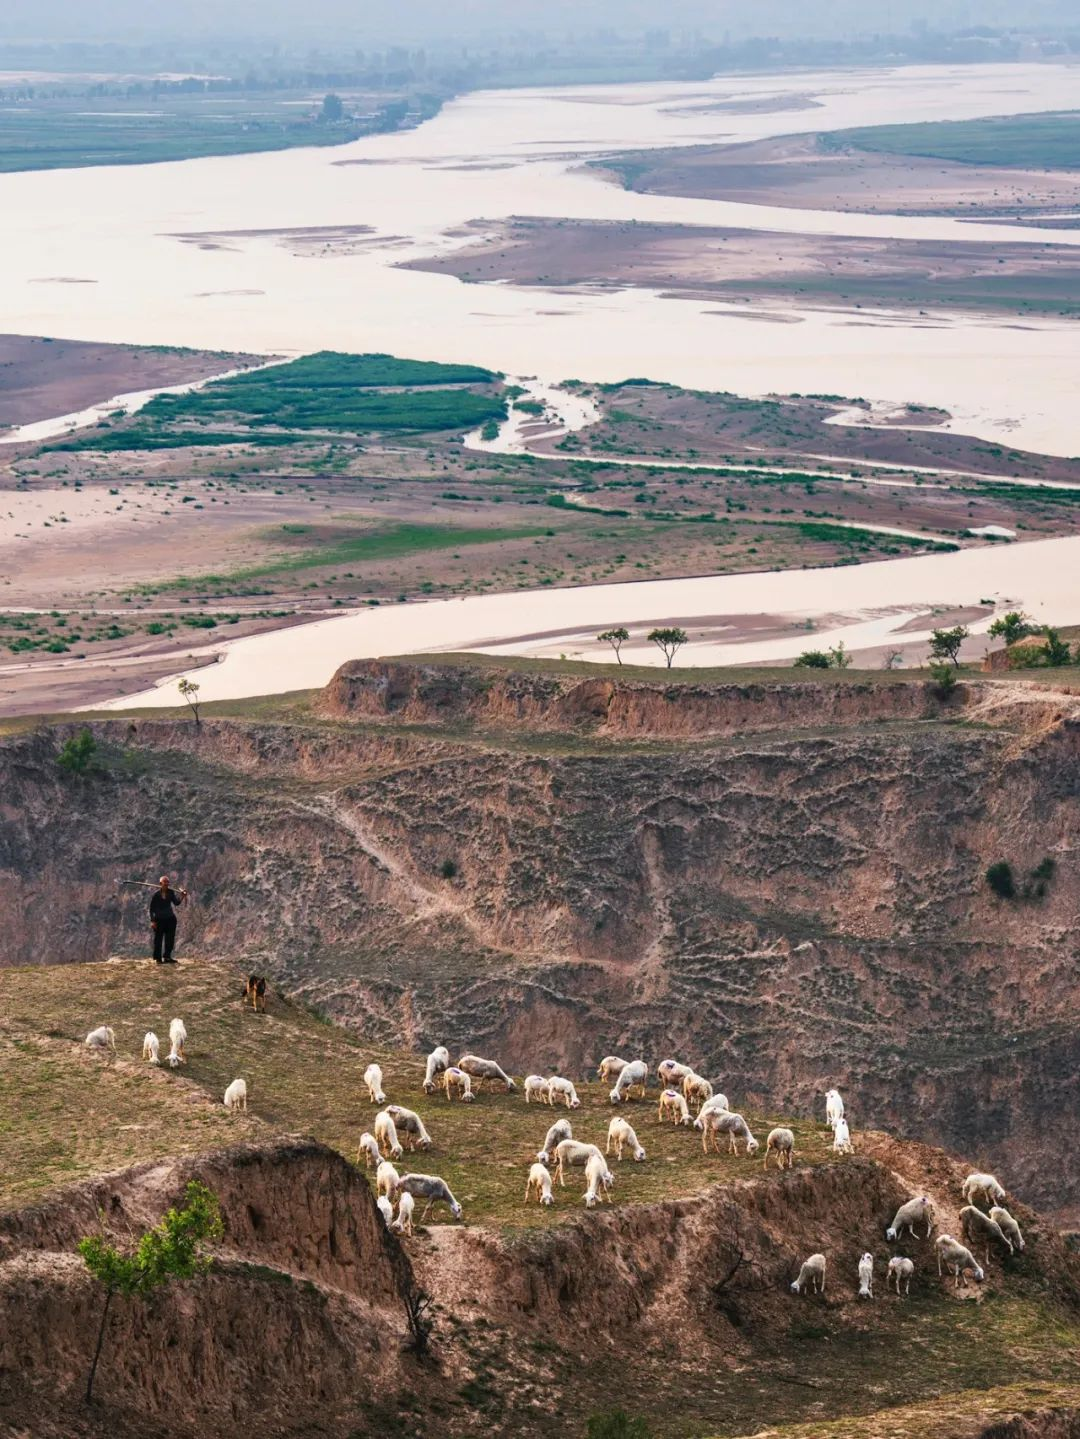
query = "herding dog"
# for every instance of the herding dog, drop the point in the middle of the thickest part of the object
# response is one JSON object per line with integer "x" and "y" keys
{"x": 255, "y": 990}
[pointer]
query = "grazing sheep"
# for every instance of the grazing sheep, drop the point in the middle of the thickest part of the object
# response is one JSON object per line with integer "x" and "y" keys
{"x": 373, "y": 1080}
{"x": 718, "y": 1104}
{"x": 453, "y": 1078}
{"x": 535, "y": 1087}
{"x": 866, "y": 1277}
{"x": 177, "y": 1040}
{"x": 599, "y": 1180}
{"x": 569, "y": 1152}
{"x": 622, "y": 1136}
{"x": 834, "y": 1108}
{"x": 236, "y": 1096}
{"x": 403, "y": 1223}
{"x": 558, "y": 1131}
{"x": 780, "y": 1142}
{"x": 915, "y": 1211}
{"x": 954, "y": 1256}
{"x": 899, "y": 1272}
{"x": 634, "y": 1075}
{"x": 430, "y": 1188}
{"x": 151, "y": 1047}
{"x": 563, "y": 1089}
{"x": 102, "y": 1038}
{"x": 437, "y": 1061}
{"x": 386, "y": 1179}
{"x": 672, "y": 1073}
{"x": 721, "y": 1121}
{"x": 673, "y": 1106}
{"x": 979, "y": 1228}
{"x": 386, "y": 1135}
{"x": 409, "y": 1126}
{"x": 1009, "y": 1227}
{"x": 386, "y": 1209}
{"x": 369, "y": 1148}
{"x": 610, "y": 1068}
{"x": 540, "y": 1181}
{"x": 986, "y": 1186}
{"x": 482, "y": 1069}
{"x": 696, "y": 1089}
{"x": 811, "y": 1275}
{"x": 842, "y": 1138}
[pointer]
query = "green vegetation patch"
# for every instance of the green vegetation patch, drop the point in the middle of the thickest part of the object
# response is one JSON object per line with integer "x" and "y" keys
{"x": 1050, "y": 141}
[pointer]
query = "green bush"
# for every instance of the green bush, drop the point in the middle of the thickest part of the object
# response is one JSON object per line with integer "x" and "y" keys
{"x": 448, "y": 869}
{"x": 999, "y": 877}
{"x": 813, "y": 660}
{"x": 79, "y": 754}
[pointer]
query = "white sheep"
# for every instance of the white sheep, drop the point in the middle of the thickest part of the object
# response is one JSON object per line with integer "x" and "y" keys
{"x": 177, "y": 1040}
{"x": 437, "y": 1061}
{"x": 102, "y": 1038}
{"x": 621, "y": 1134}
{"x": 369, "y": 1148}
{"x": 696, "y": 1090}
{"x": 559, "y": 1088}
{"x": 811, "y": 1275}
{"x": 373, "y": 1080}
{"x": 1009, "y": 1227}
{"x": 986, "y": 1186}
{"x": 721, "y": 1121}
{"x": 834, "y": 1108}
{"x": 540, "y": 1181}
{"x": 915, "y": 1211}
{"x": 672, "y": 1073}
{"x": 673, "y": 1106}
{"x": 842, "y": 1138}
{"x": 599, "y": 1180}
{"x": 236, "y": 1097}
{"x": 569, "y": 1152}
{"x": 409, "y": 1126}
{"x": 558, "y": 1131}
{"x": 979, "y": 1228}
{"x": 453, "y": 1078}
{"x": 430, "y": 1188}
{"x": 610, "y": 1068}
{"x": 151, "y": 1047}
{"x": 484, "y": 1069}
{"x": 899, "y": 1272}
{"x": 633, "y": 1075}
{"x": 866, "y": 1277}
{"x": 718, "y": 1104}
{"x": 386, "y": 1135}
{"x": 780, "y": 1142}
{"x": 954, "y": 1256}
{"x": 386, "y": 1209}
{"x": 386, "y": 1179}
{"x": 403, "y": 1223}
{"x": 535, "y": 1087}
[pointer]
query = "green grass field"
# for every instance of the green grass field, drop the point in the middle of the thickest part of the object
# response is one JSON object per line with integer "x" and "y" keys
{"x": 1045, "y": 142}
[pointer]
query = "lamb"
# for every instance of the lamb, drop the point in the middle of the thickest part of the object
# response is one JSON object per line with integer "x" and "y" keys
{"x": 403, "y": 1223}
{"x": 718, "y": 1104}
{"x": 102, "y": 1038}
{"x": 1009, "y": 1227}
{"x": 540, "y": 1180}
{"x": 373, "y": 1080}
{"x": 558, "y": 1131}
{"x": 954, "y": 1256}
{"x": 610, "y": 1068}
{"x": 811, "y": 1275}
{"x": 369, "y": 1148}
{"x": 236, "y": 1097}
{"x": 634, "y": 1075}
{"x": 599, "y": 1179}
{"x": 696, "y": 1088}
{"x": 437, "y": 1061}
{"x": 673, "y": 1106}
{"x": 569, "y": 1152}
{"x": 151, "y": 1047}
{"x": 910, "y": 1214}
{"x": 842, "y": 1138}
{"x": 780, "y": 1142}
{"x": 386, "y": 1179}
{"x": 899, "y": 1272}
{"x": 834, "y": 1108}
{"x": 410, "y": 1126}
{"x": 734, "y": 1126}
{"x": 672, "y": 1073}
{"x": 622, "y": 1136}
{"x": 866, "y": 1277}
{"x": 536, "y": 1087}
{"x": 177, "y": 1040}
{"x": 431, "y": 1188}
{"x": 386, "y": 1135}
{"x": 563, "y": 1089}
{"x": 386, "y": 1209}
{"x": 977, "y": 1227}
{"x": 482, "y": 1069}
{"x": 985, "y": 1185}
{"x": 456, "y": 1079}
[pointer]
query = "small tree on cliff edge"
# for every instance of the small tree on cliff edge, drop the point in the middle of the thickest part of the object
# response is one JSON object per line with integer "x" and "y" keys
{"x": 616, "y": 639}
{"x": 945, "y": 644}
{"x": 171, "y": 1250}
{"x": 190, "y": 690}
{"x": 669, "y": 640}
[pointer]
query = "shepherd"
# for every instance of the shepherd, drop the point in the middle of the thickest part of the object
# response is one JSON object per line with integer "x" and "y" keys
{"x": 163, "y": 919}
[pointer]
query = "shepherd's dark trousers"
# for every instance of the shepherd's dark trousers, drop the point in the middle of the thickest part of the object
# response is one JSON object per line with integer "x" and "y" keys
{"x": 164, "y": 935}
